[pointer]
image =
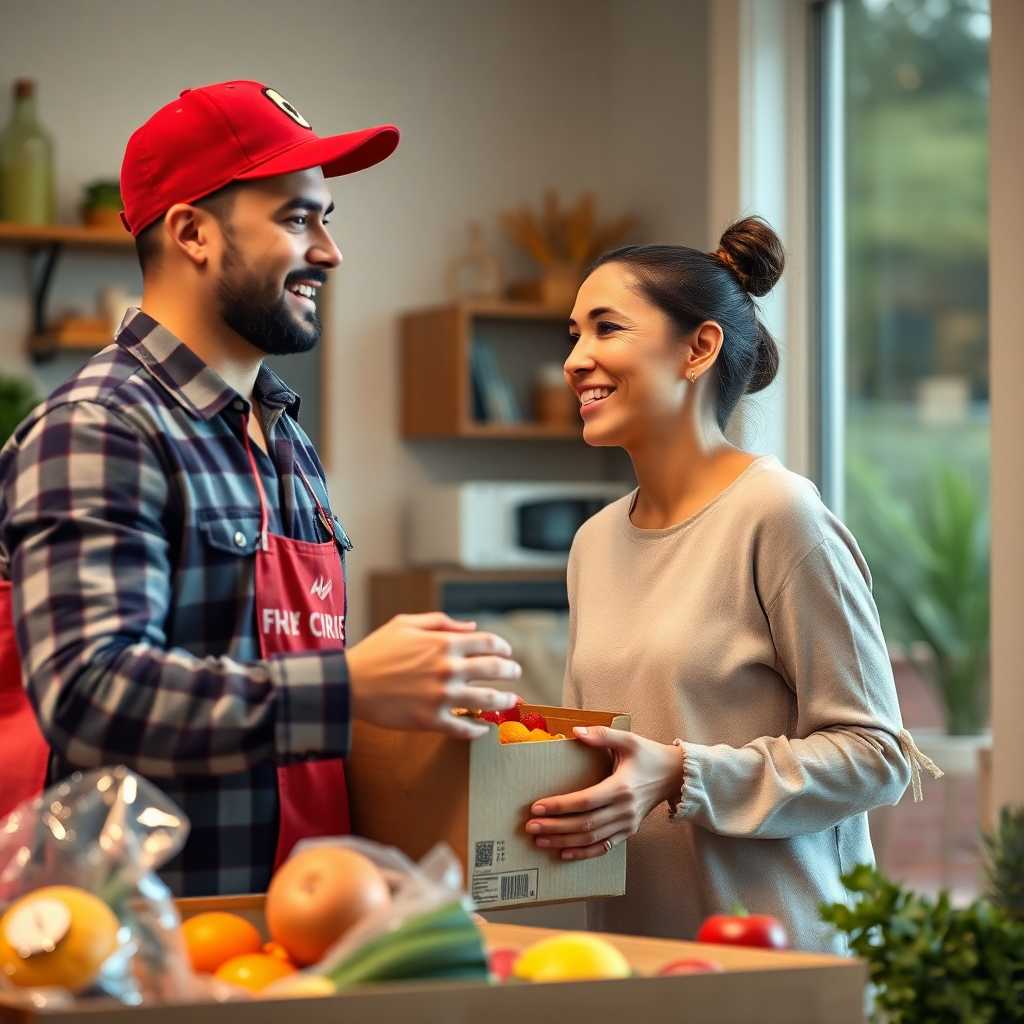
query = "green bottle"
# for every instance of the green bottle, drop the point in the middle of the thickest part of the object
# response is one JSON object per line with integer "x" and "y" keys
{"x": 27, "y": 194}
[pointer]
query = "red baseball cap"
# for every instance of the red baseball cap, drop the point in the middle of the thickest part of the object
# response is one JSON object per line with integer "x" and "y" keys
{"x": 231, "y": 131}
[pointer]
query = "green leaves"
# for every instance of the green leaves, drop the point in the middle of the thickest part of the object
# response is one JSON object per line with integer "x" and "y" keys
{"x": 931, "y": 563}
{"x": 931, "y": 962}
{"x": 17, "y": 399}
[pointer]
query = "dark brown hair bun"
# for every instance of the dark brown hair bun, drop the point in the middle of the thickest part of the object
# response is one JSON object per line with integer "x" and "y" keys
{"x": 753, "y": 252}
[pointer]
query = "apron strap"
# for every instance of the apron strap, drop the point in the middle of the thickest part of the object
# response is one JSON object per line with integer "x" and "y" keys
{"x": 264, "y": 515}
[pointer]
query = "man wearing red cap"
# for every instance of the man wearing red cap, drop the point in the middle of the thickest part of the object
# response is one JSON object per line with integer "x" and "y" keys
{"x": 177, "y": 572}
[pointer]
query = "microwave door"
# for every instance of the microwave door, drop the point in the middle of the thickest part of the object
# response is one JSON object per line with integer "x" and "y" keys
{"x": 549, "y": 526}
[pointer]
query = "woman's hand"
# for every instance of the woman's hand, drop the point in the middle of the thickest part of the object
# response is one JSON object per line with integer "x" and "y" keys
{"x": 589, "y": 823}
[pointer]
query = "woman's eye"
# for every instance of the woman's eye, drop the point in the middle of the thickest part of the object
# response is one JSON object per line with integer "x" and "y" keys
{"x": 300, "y": 220}
{"x": 606, "y": 326}
{"x": 572, "y": 339}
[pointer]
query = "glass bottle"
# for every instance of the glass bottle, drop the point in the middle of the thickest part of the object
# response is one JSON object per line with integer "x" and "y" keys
{"x": 27, "y": 194}
{"x": 475, "y": 273}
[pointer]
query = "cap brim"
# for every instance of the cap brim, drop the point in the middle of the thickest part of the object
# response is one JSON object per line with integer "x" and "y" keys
{"x": 336, "y": 155}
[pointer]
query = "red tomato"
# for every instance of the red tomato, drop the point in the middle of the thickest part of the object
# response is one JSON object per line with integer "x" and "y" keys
{"x": 744, "y": 930}
{"x": 500, "y": 962}
{"x": 690, "y": 965}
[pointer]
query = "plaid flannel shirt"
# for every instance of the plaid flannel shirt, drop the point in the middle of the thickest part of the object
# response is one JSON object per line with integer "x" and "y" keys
{"x": 128, "y": 521}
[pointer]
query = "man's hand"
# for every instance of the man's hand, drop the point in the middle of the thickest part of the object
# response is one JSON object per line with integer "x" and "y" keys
{"x": 590, "y": 822}
{"x": 412, "y": 671}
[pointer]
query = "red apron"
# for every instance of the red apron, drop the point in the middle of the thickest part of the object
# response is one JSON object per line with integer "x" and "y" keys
{"x": 300, "y": 606}
{"x": 23, "y": 751}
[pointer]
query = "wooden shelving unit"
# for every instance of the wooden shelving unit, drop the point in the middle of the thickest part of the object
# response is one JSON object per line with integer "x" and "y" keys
{"x": 43, "y": 246}
{"x": 436, "y": 353}
{"x": 33, "y": 236}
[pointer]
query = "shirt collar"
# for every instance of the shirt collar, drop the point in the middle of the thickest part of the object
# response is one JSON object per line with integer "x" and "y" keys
{"x": 193, "y": 384}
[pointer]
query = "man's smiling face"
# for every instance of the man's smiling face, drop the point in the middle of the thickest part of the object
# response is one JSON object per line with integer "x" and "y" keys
{"x": 277, "y": 254}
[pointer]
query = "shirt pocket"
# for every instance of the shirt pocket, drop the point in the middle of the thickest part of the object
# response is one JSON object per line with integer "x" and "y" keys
{"x": 231, "y": 531}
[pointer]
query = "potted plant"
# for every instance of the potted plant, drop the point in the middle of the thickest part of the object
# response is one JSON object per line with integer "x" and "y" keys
{"x": 930, "y": 559}
{"x": 101, "y": 205}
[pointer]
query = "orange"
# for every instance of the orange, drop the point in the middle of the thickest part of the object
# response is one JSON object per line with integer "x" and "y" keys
{"x": 540, "y": 734}
{"x": 513, "y": 732}
{"x": 215, "y": 937}
{"x": 276, "y": 949}
{"x": 254, "y": 971}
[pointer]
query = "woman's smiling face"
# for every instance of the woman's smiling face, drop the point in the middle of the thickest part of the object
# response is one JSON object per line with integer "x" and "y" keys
{"x": 627, "y": 363}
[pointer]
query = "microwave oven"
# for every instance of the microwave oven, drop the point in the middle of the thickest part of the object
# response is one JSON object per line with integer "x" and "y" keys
{"x": 502, "y": 525}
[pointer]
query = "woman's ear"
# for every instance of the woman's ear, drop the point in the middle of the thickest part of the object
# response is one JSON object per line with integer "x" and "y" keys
{"x": 705, "y": 344}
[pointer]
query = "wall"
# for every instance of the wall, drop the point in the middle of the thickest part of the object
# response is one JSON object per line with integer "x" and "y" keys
{"x": 496, "y": 102}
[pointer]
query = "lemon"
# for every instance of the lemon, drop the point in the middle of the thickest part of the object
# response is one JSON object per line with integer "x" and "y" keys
{"x": 300, "y": 985}
{"x": 513, "y": 732}
{"x": 571, "y": 956}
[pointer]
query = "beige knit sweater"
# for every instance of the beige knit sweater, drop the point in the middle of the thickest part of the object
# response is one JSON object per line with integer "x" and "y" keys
{"x": 747, "y": 633}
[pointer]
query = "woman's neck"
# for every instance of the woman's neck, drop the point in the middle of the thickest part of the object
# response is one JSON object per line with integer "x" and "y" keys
{"x": 678, "y": 478}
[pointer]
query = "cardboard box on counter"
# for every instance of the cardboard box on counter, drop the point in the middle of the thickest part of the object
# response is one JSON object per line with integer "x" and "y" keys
{"x": 755, "y": 984}
{"x": 413, "y": 789}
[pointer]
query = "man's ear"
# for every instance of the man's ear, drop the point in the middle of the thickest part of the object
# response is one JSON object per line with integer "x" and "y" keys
{"x": 704, "y": 345}
{"x": 191, "y": 231}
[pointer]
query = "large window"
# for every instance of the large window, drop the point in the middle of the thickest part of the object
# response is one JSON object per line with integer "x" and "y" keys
{"x": 904, "y": 153}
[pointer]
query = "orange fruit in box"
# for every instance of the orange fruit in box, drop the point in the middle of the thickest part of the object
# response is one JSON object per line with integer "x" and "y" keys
{"x": 317, "y": 895}
{"x": 215, "y": 937}
{"x": 513, "y": 732}
{"x": 254, "y": 971}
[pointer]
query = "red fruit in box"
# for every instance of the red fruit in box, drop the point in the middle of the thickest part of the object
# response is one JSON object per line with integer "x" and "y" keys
{"x": 497, "y": 717}
{"x": 500, "y": 962}
{"x": 533, "y": 720}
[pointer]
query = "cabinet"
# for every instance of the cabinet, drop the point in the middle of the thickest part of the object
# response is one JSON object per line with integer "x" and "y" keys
{"x": 463, "y": 593}
{"x": 441, "y": 368}
{"x": 43, "y": 246}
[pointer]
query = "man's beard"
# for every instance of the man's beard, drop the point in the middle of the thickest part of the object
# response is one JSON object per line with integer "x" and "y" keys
{"x": 259, "y": 316}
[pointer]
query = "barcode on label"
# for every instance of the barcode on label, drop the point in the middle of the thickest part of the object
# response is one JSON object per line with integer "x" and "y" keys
{"x": 507, "y": 888}
{"x": 515, "y": 887}
{"x": 484, "y": 854}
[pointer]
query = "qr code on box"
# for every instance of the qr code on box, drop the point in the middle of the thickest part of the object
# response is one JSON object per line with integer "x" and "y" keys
{"x": 484, "y": 854}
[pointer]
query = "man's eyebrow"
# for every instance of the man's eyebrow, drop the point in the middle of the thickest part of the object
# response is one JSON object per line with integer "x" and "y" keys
{"x": 598, "y": 311}
{"x": 304, "y": 203}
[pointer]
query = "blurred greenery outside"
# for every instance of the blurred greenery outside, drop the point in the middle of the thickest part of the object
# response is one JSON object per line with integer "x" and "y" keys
{"x": 917, "y": 418}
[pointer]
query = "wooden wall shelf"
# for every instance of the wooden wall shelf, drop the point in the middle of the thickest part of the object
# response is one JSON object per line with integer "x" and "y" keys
{"x": 33, "y": 236}
{"x": 43, "y": 245}
{"x": 437, "y": 360}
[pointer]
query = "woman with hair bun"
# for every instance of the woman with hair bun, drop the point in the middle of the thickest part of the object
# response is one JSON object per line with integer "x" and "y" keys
{"x": 726, "y": 608}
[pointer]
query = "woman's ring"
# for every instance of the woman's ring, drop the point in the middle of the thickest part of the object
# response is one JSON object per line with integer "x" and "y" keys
{"x": 607, "y": 846}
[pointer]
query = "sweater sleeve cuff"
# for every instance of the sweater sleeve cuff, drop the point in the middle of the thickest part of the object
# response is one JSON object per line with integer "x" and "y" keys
{"x": 313, "y": 705}
{"x": 692, "y": 795}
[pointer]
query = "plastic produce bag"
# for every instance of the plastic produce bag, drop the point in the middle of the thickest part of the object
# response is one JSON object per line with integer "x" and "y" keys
{"x": 426, "y": 932}
{"x": 100, "y": 837}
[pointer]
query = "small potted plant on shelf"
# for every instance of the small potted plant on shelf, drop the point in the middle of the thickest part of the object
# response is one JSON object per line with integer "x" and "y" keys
{"x": 101, "y": 205}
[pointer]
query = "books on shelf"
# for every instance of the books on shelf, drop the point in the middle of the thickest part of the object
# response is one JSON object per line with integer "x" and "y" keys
{"x": 494, "y": 399}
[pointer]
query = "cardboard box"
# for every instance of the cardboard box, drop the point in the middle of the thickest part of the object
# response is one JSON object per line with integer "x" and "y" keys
{"x": 755, "y": 985}
{"x": 412, "y": 790}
